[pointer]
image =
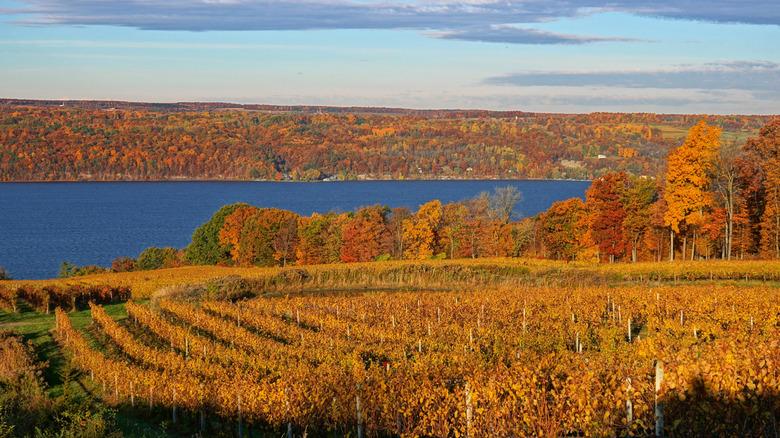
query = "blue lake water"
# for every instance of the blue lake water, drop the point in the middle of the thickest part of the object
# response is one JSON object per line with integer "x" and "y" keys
{"x": 44, "y": 224}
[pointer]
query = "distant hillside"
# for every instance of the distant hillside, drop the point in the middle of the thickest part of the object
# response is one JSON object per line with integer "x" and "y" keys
{"x": 112, "y": 140}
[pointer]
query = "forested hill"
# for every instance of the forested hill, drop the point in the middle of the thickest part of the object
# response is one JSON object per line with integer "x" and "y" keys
{"x": 107, "y": 140}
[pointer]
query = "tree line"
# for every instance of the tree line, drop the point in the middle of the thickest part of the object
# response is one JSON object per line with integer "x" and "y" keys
{"x": 52, "y": 143}
{"x": 715, "y": 199}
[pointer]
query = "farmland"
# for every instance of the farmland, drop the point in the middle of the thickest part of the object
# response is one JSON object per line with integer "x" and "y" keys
{"x": 499, "y": 347}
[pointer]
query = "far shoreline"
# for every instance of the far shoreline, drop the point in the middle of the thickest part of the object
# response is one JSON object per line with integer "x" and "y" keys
{"x": 174, "y": 180}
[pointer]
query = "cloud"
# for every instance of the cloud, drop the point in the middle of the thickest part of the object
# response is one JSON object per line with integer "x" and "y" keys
{"x": 519, "y": 35}
{"x": 757, "y": 76}
{"x": 454, "y": 19}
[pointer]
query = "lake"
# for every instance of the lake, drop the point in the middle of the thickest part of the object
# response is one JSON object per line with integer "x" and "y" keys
{"x": 92, "y": 223}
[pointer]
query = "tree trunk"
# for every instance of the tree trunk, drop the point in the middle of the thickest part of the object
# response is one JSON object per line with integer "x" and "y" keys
{"x": 777, "y": 235}
{"x": 729, "y": 229}
{"x": 671, "y": 245}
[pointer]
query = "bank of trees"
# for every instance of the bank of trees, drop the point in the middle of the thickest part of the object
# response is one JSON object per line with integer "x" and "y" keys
{"x": 51, "y": 143}
{"x": 715, "y": 199}
{"x": 245, "y": 235}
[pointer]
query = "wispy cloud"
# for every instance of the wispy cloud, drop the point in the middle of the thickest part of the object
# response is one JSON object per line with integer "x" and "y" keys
{"x": 478, "y": 20}
{"x": 519, "y": 35}
{"x": 150, "y": 45}
{"x": 732, "y": 75}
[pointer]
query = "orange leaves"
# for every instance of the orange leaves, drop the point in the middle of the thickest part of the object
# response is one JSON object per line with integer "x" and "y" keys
{"x": 366, "y": 235}
{"x": 687, "y": 179}
{"x": 563, "y": 228}
{"x": 230, "y": 233}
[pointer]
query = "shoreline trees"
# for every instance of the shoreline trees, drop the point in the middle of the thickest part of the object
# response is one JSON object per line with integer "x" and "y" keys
{"x": 715, "y": 200}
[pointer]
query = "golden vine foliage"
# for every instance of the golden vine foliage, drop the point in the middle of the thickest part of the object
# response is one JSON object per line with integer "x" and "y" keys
{"x": 513, "y": 361}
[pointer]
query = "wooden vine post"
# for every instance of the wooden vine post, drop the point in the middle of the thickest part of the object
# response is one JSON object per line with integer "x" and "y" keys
{"x": 359, "y": 419}
{"x": 240, "y": 424}
{"x": 629, "y": 330}
{"x": 469, "y": 410}
{"x": 659, "y": 404}
{"x": 524, "y": 326}
{"x": 629, "y": 404}
{"x": 202, "y": 411}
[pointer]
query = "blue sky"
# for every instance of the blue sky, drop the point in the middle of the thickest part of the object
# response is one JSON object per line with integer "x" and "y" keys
{"x": 575, "y": 56}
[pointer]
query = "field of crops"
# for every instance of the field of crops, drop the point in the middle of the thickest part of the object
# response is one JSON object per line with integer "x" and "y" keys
{"x": 501, "y": 347}
{"x": 521, "y": 361}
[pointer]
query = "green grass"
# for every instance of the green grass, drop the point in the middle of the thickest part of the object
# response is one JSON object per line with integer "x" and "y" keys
{"x": 671, "y": 131}
{"x": 36, "y": 327}
{"x": 738, "y": 137}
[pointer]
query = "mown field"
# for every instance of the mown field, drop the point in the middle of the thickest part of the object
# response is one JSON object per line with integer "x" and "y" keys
{"x": 437, "y": 348}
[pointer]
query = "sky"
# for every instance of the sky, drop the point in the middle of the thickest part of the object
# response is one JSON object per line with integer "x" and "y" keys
{"x": 562, "y": 56}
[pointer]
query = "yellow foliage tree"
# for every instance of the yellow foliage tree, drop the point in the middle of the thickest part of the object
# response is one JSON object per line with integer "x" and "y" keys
{"x": 421, "y": 232}
{"x": 687, "y": 182}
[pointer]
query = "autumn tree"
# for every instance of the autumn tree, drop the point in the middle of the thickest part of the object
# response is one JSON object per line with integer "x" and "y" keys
{"x": 748, "y": 216}
{"x": 123, "y": 264}
{"x": 421, "y": 232}
{"x": 157, "y": 258}
{"x": 607, "y": 214}
{"x": 319, "y": 239}
{"x": 474, "y": 236}
{"x": 500, "y": 240}
{"x": 205, "y": 248}
{"x": 637, "y": 198}
{"x": 524, "y": 237}
{"x": 269, "y": 238}
{"x": 727, "y": 185}
{"x": 767, "y": 147}
{"x": 687, "y": 183}
{"x": 398, "y": 216}
{"x": 562, "y": 228}
{"x": 366, "y": 235}
{"x": 501, "y": 203}
{"x": 230, "y": 234}
{"x": 286, "y": 240}
{"x": 453, "y": 225}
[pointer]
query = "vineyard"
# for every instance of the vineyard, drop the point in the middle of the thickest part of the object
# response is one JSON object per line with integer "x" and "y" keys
{"x": 649, "y": 349}
{"x": 531, "y": 362}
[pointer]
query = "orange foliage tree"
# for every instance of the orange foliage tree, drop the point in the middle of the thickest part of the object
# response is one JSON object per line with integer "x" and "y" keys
{"x": 687, "y": 183}
{"x": 563, "y": 228}
{"x": 366, "y": 235}
{"x": 230, "y": 233}
{"x": 607, "y": 214}
{"x": 767, "y": 147}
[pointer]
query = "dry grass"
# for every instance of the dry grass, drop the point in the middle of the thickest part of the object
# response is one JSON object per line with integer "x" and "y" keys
{"x": 444, "y": 274}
